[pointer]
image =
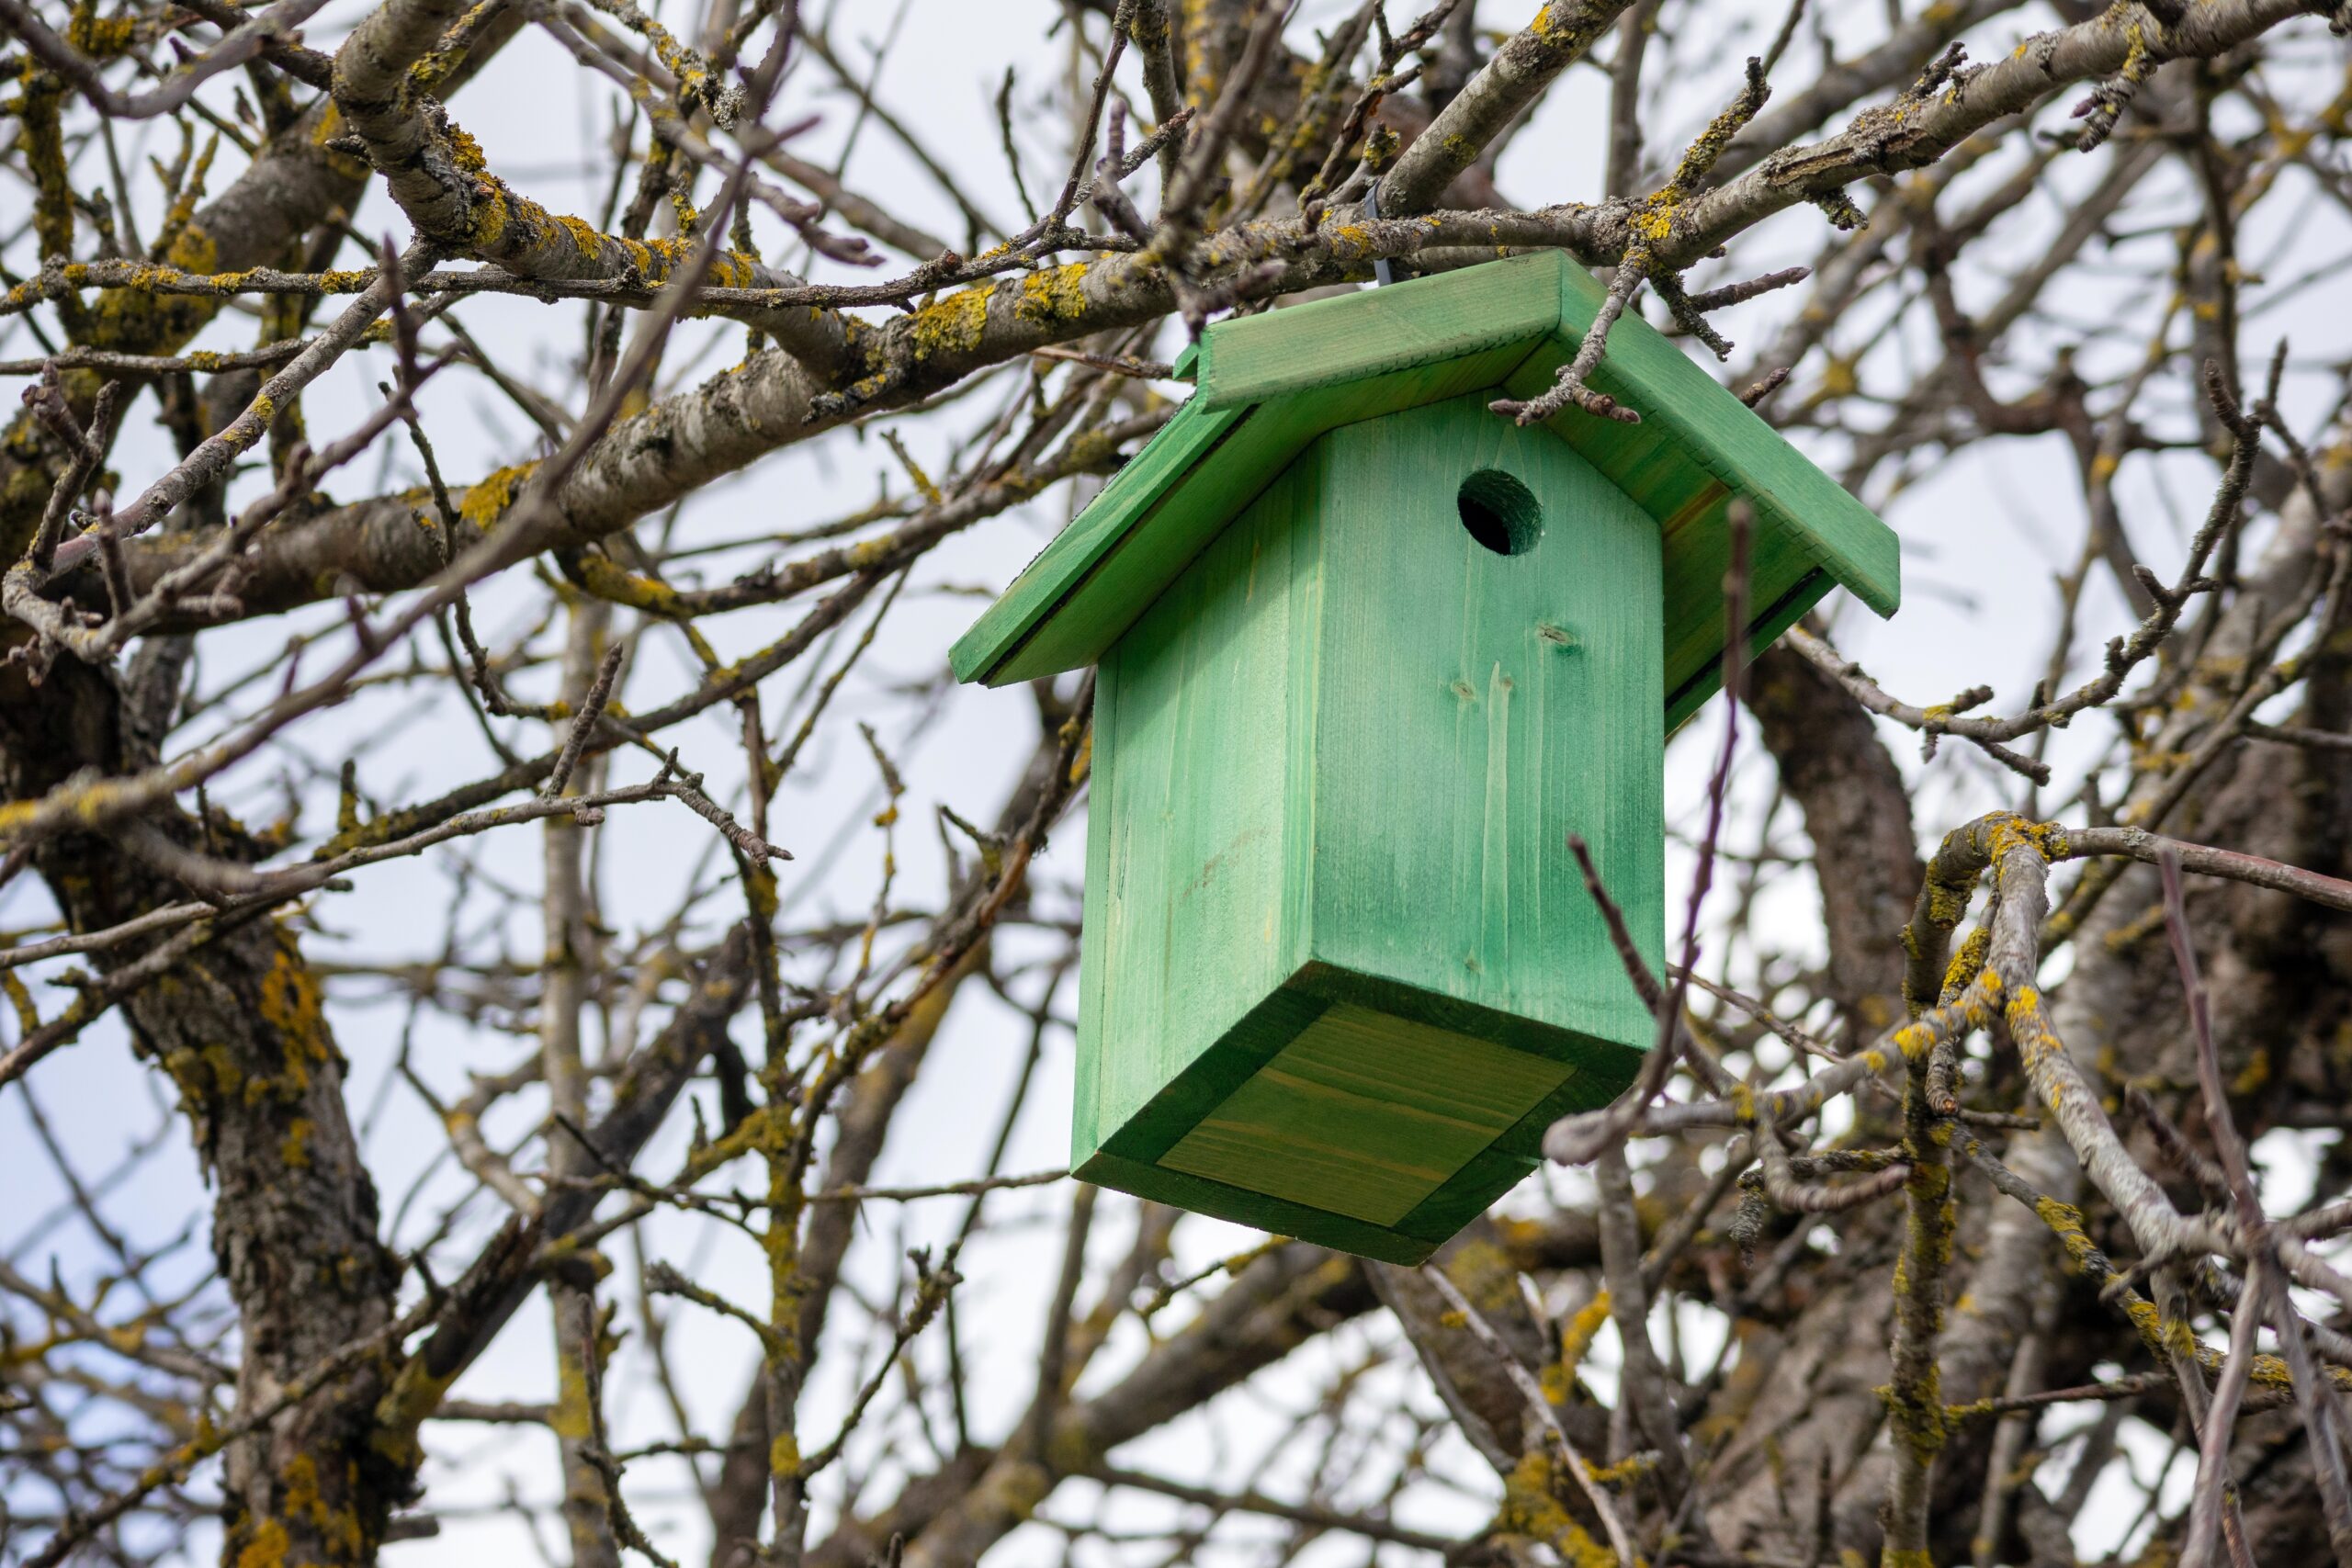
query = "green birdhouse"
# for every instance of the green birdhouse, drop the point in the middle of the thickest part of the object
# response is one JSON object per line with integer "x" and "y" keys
{"x": 1368, "y": 653}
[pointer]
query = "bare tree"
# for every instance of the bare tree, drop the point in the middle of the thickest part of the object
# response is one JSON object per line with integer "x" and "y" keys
{"x": 1925, "y": 1237}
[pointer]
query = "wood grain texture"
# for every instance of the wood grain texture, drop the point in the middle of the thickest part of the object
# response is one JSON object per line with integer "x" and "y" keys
{"x": 1186, "y": 930}
{"x": 1336, "y": 958}
{"x": 1076, "y": 598}
{"x": 1690, "y": 502}
{"x": 1271, "y": 384}
{"x": 1351, "y": 337}
{"x": 1365, "y": 1115}
{"x": 1476, "y": 709}
{"x": 1276, "y": 1216}
{"x": 1720, "y": 435}
{"x": 1338, "y": 970}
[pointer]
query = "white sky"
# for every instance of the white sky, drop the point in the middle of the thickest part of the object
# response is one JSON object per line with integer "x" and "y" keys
{"x": 1982, "y": 540}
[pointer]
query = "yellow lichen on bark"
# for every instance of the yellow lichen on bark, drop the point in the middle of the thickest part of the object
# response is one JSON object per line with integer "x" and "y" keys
{"x": 952, "y": 324}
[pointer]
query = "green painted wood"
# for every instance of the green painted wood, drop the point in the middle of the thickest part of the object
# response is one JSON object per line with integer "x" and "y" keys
{"x": 1339, "y": 972}
{"x": 1783, "y": 583}
{"x": 1186, "y": 829}
{"x": 1600, "y": 1067}
{"x": 1280, "y": 379}
{"x": 1768, "y": 620}
{"x": 1514, "y": 1156}
{"x": 1134, "y": 491}
{"x": 1074, "y": 601}
{"x": 1209, "y": 1079}
{"x": 1726, "y": 438}
{"x": 1690, "y": 504}
{"x": 1604, "y": 1073}
{"x": 1365, "y": 1115}
{"x": 1493, "y": 1171}
{"x": 1273, "y": 1215}
{"x": 1476, "y": 709}
{"x": 1352, "y": 337}
{"x": 1332, "y": 985}
{"x": 1337, "y": 963}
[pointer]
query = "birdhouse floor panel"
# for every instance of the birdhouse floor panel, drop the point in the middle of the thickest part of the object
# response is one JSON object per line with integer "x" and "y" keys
{"x": 1365, "y": 1114}
{"x": 1272, "y": 1215}
{"x": 1355, "y": 1112}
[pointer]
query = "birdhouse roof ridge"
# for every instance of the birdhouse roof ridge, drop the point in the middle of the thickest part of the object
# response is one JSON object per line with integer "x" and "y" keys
{"x": 1269, "y": 385}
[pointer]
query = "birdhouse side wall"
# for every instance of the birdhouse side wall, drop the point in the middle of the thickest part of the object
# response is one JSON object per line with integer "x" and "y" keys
{"x": 1194, "y": 915}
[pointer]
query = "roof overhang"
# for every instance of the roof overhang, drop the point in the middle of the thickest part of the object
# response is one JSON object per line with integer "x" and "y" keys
{"x": 1269, "y": 384}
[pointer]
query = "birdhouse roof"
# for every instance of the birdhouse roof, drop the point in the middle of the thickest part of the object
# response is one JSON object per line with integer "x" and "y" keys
{"x": 1269, "y": 384}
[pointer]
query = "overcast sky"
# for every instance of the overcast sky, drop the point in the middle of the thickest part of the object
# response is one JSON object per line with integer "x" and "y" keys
{"x": 1981, "y": 541}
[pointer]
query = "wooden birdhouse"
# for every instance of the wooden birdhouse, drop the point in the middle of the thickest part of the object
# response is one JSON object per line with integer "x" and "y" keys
{"x": 1368, "y": 653}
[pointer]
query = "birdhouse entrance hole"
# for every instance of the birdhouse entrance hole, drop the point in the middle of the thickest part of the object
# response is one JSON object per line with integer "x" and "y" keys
{"x": 1500, "y": 513}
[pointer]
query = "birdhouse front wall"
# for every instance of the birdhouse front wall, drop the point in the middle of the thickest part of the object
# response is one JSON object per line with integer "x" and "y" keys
{"x": 1339, "y": 967}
